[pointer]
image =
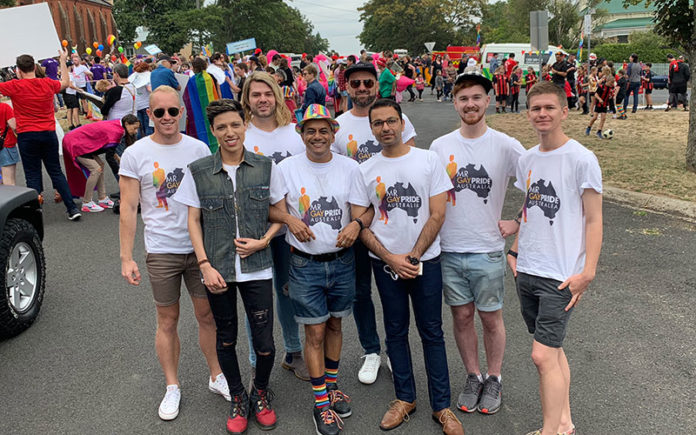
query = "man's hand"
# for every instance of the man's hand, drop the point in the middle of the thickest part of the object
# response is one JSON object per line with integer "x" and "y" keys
{"x": 402, "y": 267}
{"x": 348, "y": 235}
{"x": 212, "y": 279}
{"x": 62, "y": 55}
{"x": 512, "y": 262}
{"x": 246, "y": 246}
{"x": 508, "y": 228}
{"x": 300, "y": 230}
{"x": 129, "y": 270}
{"x": 577, "y": 284}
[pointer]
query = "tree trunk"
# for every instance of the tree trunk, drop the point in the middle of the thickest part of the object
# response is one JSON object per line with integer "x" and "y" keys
{"x": 691, "y": 139}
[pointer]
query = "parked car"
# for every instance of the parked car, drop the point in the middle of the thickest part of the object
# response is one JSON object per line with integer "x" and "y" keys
{"x": 659, "y": 82}
{"x": 22, "y": 260}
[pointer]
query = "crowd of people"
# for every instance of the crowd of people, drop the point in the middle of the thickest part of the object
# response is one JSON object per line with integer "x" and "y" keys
{"x": 269, "y": 196}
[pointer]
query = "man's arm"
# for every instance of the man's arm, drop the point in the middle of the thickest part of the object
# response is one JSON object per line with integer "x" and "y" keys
{"x": 64, "y": 72}
{"x": 211, "y": 277}
{"x": 12, "y": 123}
{"x": 278, "y": 213}
{"x": 130, "y": 196}
{"x": 437, "y": 205}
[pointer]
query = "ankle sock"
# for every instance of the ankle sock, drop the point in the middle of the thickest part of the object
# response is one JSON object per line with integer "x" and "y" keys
{"x": 321, "y": 398}
{"x": 331, "y": 375}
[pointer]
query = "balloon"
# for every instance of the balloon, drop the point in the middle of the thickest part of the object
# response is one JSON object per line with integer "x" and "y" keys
{"x": 95, "y": 44}
{"x": 111, "y": 39}
{"x": 88, "y": 50}
{"x": 137, "y": 45}
{"x": 99, "y": 53}
{"x": 101, "y": 47}
{"x": 113, "y": 58}
{"x": 64, "y": 43}
{"x": 522, "y": 51}
{"x": 120, "y": 49}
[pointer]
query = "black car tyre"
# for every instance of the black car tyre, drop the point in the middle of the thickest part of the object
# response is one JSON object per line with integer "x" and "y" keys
{"x": 23, "y": 274}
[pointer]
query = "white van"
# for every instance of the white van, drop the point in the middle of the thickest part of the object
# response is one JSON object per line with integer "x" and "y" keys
{"x": 502, "y": 51}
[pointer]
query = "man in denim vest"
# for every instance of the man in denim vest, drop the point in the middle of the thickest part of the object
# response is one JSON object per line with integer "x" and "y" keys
{"x": 228, "y": 196}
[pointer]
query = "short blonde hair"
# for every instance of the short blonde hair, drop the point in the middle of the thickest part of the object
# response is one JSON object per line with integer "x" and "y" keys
{"x": 164, "y": 89}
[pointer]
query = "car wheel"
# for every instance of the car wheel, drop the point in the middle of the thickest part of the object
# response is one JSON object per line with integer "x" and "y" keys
{"x": 23, "y": 274}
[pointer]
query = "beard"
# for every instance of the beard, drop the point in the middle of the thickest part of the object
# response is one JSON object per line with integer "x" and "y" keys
{"x": 469, "y": 121}
{"x": 367, "y": 100}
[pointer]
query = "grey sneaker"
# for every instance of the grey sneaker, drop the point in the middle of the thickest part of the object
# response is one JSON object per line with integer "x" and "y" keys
{"x": 295, "y": 363}
{"x": 469, "y": 398}
{"x": 491, "y": 396}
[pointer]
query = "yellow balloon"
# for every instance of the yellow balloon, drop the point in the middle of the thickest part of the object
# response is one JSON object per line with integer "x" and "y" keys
{"x": 88, "y": 50}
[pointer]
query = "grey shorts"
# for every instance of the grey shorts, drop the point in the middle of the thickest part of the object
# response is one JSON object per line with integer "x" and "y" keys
{"x": 543, "y": 308}
{"x": 166, "y": 272}
{"x": 9, "y": 156}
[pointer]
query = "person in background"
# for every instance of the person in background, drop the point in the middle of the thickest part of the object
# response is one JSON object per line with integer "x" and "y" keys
{"x": 315, "y": 92}
{"x": 9, "y": 156}
{"x": 143, "y": 89}
{"x": 633, "y": 75}
{"x": 647, "y": 83}
{"x": 50, "y": 67}
{"x": 515, "y": 83}
{"x": 72, "y": 104}
{"x": 119, "y": 100}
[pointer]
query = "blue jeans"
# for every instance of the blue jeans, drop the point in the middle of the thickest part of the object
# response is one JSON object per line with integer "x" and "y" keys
{"x": 363, "y": 308}
{"x": 632, "y": 87}
{"x": 42, "y": 146}
{"x": 426, "y": 297}
{"x": 145, "y": 129}
{"x": 284, "y": 309}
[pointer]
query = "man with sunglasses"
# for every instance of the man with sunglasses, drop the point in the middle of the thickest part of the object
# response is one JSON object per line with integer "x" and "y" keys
{"x": 409, "y": 187}
{"x": 150, "y": 173}
{"x": 164, "y": 74}
{"x": 355, "y": 140}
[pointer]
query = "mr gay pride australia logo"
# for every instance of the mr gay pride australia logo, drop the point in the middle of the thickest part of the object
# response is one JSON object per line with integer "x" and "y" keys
{"x": 541, "y": 194}
{"x": 397, "y": 196}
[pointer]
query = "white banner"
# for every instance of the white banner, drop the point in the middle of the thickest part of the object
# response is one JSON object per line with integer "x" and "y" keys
{"x": 27, "y": 30}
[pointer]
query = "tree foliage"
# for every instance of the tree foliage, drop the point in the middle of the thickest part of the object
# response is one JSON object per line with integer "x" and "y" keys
{"x": 7, "y": 3}
{"x": 648, "y": 46}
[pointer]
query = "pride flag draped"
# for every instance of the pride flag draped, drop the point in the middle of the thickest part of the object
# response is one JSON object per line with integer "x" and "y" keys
{"x": 200, "y": 91}
{"x": 582, "y": 39}
{"x": 478, "y": 35}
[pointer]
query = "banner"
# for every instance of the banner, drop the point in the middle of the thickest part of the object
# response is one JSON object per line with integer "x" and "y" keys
{"x": 152, "y": 49}
{"x": 27, "y": 30}
{"x": 239, "y": 46}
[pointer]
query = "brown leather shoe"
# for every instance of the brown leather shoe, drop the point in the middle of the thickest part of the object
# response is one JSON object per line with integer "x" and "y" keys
{"x": 398, "y": 413}
{"x": 450, "y": 423}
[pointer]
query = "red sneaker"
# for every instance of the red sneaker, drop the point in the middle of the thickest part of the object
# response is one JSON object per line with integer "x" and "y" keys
{"x": 260, "y": 401}
{"x": 238, "y": 421}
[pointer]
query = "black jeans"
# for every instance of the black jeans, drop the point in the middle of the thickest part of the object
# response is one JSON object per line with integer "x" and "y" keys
{"x": 257, "y": 297}
{"x": 410, "y": 91}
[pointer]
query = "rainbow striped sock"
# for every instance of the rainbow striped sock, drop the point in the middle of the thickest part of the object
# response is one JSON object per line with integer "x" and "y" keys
{"x": 331, "y": 372}
{"x": 321, "y": 397}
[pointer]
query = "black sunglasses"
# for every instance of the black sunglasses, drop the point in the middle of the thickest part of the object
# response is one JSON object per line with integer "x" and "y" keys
{"x": 355, "y": 84}
{"x": 173, "y": 111}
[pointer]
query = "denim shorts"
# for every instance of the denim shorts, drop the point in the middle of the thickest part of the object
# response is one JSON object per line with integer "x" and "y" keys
{"x": 543, "y": 308}
{"x": 321, "y": 289}
{"x": 474, "y": 277}
{"x": 9, "y": 156}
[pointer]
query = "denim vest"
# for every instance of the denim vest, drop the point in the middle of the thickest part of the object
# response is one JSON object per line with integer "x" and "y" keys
{"x": 222, "y": 209}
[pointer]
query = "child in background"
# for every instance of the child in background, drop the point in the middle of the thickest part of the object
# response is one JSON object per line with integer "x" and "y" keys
{"x": 420, "y": 86}
{"x": 501, "y": 87}
{"x": 621, "y": 88}
{"x": 582, "y": 85}
{"x": 530, "y": 79}
{"x": 545, "y": 74}
{"x": 602, "y": 97}
{"x": 646, "y": 81}
{"x": 515, "y": 82}
{"x": 439, "y": 85}
{"x": 593, "y": 82}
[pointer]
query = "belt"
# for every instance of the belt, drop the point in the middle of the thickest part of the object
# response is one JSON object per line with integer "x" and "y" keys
{"x": 319, "y": 257}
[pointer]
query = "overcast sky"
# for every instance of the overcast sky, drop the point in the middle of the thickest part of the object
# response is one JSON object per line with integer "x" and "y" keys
{"x": 336, "y": 21}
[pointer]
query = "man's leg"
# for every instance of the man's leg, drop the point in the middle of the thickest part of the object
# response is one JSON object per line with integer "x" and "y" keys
{"x": 29, "y": 150}
{"x": 167, "y": 341}
{"x": 566, "y": 418}
{"x": 493, "y": 340}
{"x": 258, "y": 305}
{"x": 552, "y": 386}
{"x": 364, "y": 315}
{"x": 49, "y": 155}
{"x": 465, "y": 336}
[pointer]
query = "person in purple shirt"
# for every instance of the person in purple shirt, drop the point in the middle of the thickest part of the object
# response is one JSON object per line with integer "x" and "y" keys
{"x": 50, "y": 67}
{"x": 98, "y": 72}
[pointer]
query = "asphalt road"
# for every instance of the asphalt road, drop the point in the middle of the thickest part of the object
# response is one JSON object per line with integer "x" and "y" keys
{"x": 88, "y": 364}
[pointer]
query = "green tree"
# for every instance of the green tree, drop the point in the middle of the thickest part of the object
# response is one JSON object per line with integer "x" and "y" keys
{"x": 7, "y": 3}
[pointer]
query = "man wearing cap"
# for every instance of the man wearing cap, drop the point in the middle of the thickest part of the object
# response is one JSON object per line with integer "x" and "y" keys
{"x": 163, "y": 74}
{"x": 479, "y": 161}
{"x": 315, "y": 186}
{"x": 254, "y": 64}
{"x": 355, "y": 140}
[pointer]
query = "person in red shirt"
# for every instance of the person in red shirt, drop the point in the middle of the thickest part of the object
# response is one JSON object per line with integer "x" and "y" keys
{"x": 32, "y": 99}
{"x": 9, "y": 156}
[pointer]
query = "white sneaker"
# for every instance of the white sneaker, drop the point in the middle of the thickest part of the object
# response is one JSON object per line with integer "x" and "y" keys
{"x": 220, "y": 387}
{"x": 106, "y": 203}
{"x": 169, "y": 408}
{"x": 91, "y": 207}
{"x": 368, "y": 372}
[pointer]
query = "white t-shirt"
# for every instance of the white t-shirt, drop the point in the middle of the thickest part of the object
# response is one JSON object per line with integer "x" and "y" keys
{"x": 188, "y": 196}
{"x": 160, "y": 169}
{"x": 79, "y": 76}
{"x": 355, "y": 139}
{"x": 552, "y": 235}
{"x": 69, "y": 90}
{"x": 479, "y": 169}
{"x": 400, "y": 189}
{"x": 142, "y": 95}
{"x": 126, "y": 105}
{"x": 317, "y": 193}
{"x": 278, "y": 144}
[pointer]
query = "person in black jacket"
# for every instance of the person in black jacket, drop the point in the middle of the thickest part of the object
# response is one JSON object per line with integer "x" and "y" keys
{"x": 679, "y": 75}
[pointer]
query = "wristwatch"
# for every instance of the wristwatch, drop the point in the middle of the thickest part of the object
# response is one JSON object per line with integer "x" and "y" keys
{"x": 362, "y": 227}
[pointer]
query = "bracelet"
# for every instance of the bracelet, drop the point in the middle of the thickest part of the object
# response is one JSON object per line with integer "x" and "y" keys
{"x": 511, "y": 252}
{"x": 202, "y": 262}
{"x": 362, "y": 227}
{"x": 517, "y": 220}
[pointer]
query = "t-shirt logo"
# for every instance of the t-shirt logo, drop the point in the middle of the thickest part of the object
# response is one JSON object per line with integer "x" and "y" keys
{"x": 468, "y": 177}
{"x": 320, "y": 211}
{"x": 397, "y": 196}
{"x": 363, "y": 152}
{"x": 277, "y": 156}
{"x": 542, "y": 195}
{"x": 165, "y": 186}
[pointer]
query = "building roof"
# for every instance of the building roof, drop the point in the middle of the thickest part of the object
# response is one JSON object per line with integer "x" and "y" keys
{"x": 617, "y": 7}
{"x": 628, "y": 23}
{"x": 102, "y": 2}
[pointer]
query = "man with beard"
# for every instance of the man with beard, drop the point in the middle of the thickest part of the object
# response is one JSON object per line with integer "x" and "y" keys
{"x": 479, "y": 161}
{"x": 355, "y": 140}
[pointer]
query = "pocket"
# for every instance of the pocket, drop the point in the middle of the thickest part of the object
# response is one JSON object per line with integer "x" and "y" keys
{"x": 212, "y": 212}
{"x": 297, "y": 261}
{"x": 259, "y": 196}
{"x": 494, "y": 257}
{"x": 347, "y": 258}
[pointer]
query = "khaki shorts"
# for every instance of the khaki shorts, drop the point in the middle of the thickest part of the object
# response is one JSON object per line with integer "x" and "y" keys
{"x": 166, "y": 271}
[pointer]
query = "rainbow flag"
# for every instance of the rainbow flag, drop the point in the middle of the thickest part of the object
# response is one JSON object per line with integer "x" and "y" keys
{"x": 478, "y": 35}
{"x": 582, "y": 39}
{"x": 126, "y": 62}
{"x": 206, "y": 51}
{"x": 200, "y": 91}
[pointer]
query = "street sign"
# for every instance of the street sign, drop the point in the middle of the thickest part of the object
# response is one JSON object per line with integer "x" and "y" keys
{"x": 587, "y": 24}
{"x": 430, "y": 46}
{"x": 239, "y": 46}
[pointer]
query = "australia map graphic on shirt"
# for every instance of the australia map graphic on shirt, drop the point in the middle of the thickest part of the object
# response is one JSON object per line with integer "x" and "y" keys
{"x": 397, "y": 196}
{"x": 543, "y": 195}
{"x": 361, "y": 153}
{"x": 322, "y": 210}
{"x": 277, "y": 156}
{"x": 165, "y": 185}
{"x": 468, "y": 177}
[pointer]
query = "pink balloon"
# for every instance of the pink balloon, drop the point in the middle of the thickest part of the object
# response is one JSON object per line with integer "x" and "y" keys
{"x": 270, "y": 55}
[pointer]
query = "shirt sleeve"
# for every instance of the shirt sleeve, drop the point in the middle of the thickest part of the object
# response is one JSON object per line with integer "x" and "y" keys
{"x": 173, "y": 82}
{"x": 519, "y": 182}
{"x": 128, "y": 166}
{"x": 515, "y": 150}
{"x": 439, "y": 181}
{"x": 8, "y": 88}
{"x": 409, "y": 130}
{"x": 358, "y": 190}
{"x": 589, "y": 174}
{"x": 55, "y": 85}
{"x": 278, "y": 185}
{"x": 186, "y": 193}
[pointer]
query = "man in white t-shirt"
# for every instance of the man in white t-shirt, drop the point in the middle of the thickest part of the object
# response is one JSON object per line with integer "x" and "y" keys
{"x": 315, "y": 187}
{"x": 559, "y": 242}
{"x": 150, "y": 173}
{"x": 480, "y": 162}
{"x": 238, "y": 180}
{"x": 407, "y": 187}
{"x": 270, "y": 133}
{"x": 80, "y": 75}
{"x": 355, "y": 140}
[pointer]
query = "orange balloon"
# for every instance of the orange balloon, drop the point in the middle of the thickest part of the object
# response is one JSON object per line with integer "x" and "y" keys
{"x": 95, "y": 44}
{"x": 65, "y": 43}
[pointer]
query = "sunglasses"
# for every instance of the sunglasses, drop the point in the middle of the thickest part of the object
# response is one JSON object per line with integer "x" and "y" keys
{"x": 173, "y": 111}
{"x": 355, "y": 84}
